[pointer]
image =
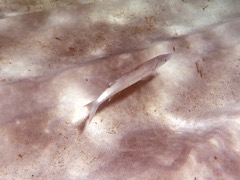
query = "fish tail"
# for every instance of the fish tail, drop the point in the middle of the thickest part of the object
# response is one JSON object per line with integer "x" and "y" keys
{"x": 93, "y": 106}
{"x": 92, "y": 112}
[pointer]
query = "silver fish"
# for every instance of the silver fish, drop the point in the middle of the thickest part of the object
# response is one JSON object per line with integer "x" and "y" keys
{"x": 128, "y": 79}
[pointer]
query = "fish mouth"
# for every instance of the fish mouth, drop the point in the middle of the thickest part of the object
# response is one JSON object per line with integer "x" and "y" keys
{"x": 163, "y": 59}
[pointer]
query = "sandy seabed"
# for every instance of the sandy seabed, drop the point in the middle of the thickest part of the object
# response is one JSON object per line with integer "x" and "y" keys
{"x": 182, "y": 122}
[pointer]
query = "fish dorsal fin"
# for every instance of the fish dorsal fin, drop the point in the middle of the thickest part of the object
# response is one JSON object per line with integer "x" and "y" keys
{"x": 111, "y": 83}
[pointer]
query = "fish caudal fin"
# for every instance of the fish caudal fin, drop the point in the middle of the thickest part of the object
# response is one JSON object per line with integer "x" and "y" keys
{"x": 93, "y": 109}
{"x": 92, "y": 112}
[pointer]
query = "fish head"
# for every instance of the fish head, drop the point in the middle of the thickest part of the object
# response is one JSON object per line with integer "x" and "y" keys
{"x": 162, "y": 59}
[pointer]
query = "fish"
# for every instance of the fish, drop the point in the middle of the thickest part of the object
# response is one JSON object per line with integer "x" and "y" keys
{"x": 133, "y": 76}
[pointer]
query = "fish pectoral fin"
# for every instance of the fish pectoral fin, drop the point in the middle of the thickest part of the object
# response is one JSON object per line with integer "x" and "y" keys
{"x": 144, "y": 79}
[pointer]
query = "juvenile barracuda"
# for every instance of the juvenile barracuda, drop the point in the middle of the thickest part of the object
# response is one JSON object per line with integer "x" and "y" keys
{"x": 128, "y": 79}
